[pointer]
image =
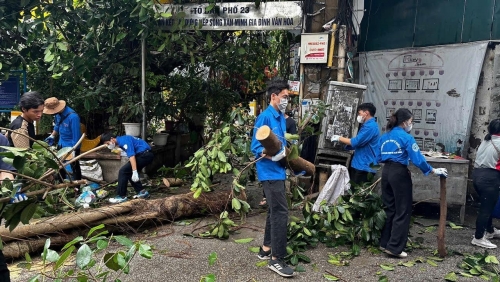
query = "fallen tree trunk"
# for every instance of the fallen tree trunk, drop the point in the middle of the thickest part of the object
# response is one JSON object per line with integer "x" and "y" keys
{"x": 118, "y": 217}
{"x": 272, "y": 146}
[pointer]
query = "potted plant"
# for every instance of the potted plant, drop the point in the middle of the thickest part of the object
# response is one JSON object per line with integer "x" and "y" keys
{"x": 131, "y": 114}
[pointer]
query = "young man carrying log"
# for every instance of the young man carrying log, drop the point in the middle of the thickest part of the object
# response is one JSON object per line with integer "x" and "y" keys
{"x": 271, "y": 173}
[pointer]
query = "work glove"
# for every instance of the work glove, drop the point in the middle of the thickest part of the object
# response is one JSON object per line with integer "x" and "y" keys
{"x": 280, "y": 155}
{"x": 442, "y": 172}
{"x": 335, "y": 138}
{"x": 135, "y": 176}
{"x": 50, "y": 140}
{"x": 18, "y": 197}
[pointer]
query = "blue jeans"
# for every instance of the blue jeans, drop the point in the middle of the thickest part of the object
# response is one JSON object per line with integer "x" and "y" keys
{"x": 275, "y": 235}
{"x": 486, "y": 182}
{"x": 125, "y": 173}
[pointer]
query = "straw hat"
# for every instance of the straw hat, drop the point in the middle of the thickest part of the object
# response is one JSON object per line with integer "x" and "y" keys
{"x": 53, "y": 106}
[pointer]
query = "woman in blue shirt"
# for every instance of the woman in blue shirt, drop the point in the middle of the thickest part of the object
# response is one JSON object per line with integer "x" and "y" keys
{"x": 397, "y": 147}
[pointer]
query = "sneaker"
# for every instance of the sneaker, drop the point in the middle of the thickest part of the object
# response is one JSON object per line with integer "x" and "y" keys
{"x": 117, "y": 200}
{"x": 483, "y": 242}
{"x": 263, "y": 254}
{"x": 142, "y": 195}
{"x": 381, "y": 249}
{"x": 280, "y": 267}
{"x": 400, "y": 255}
{"x": 494, "y": 234}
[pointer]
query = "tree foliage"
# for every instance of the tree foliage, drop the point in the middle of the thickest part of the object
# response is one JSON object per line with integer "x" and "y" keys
{"x": 89, "y": 53}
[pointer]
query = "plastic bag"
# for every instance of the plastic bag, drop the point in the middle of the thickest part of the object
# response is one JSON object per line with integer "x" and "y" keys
{"x": 85, "y": 199}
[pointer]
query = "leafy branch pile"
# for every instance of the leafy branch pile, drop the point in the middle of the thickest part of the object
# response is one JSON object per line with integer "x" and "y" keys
{"x": 93, "y": 261}
{"x": 356, "y": 219}
{"x": 483, "y": 265}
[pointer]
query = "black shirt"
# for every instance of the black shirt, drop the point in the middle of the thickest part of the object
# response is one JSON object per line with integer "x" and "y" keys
{"x": 16, "y": 124}
{"x": 291, "y": 126}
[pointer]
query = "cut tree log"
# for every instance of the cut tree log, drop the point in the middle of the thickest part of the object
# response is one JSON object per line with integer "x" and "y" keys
{"x": 172, "y": 182}
{"x": 120, "y": 217}
{"x": 272, "y": 145}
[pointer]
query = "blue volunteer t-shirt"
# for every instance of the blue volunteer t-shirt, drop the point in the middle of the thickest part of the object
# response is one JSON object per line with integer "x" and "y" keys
{"x": 400, "y": 147}
{"x": 365, "y": 145}
{"x": 266, "y": 168}
{"x": 67, "y": 124}
{"x": 132, "y": 145}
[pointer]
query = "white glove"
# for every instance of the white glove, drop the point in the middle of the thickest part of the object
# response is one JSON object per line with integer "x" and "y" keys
{"x": 335, "y": 138}
{"x": 281, "y": 154}
{"x": 18, "y": 197}
{"x": 440, "y": 172}
{"x": 135, "y": 176}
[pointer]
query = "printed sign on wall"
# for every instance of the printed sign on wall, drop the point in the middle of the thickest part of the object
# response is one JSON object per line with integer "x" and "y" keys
{"x": 438, "y": 84}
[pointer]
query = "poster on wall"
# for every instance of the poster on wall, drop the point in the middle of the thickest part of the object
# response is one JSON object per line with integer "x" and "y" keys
{"x": 437, "y": 84}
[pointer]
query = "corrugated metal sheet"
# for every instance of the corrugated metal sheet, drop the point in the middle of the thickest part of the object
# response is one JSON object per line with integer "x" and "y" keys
{"x": 390, "y": 24}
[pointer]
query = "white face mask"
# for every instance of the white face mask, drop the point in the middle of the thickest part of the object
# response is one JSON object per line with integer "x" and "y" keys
{"x": 111, "y": 146}
{"x": 408, "y": 127}
{"x": 360, "y": 119}
{"x": 282, "y": 105}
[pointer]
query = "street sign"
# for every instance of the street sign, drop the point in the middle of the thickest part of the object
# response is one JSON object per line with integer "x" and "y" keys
{"x": 285, "y": 15}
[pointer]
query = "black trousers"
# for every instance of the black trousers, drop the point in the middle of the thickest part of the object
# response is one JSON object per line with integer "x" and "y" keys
{"x": 397, "y": 197}
{"x": 277, "y": 217}
{"x": 486, "y": 181}
{"x": 75, "y": 167}
{"x": 125, "y": 173}
{"x": 4, "y": 271}
{"x": 359, "y": 176}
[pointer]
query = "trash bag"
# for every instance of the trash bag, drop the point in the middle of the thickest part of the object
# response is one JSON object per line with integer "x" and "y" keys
{"x": 86, "y": 198}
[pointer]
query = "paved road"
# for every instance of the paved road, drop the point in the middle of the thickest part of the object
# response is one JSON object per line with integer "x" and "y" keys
{"x": 182, "y": 258}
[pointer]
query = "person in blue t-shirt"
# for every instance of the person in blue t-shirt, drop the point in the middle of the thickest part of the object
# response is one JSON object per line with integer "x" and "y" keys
{"x": 139, "y": 154}
{"x": 397, "y": 148}
{"x": 365, "y": 144}
{"x": 271, "y": 173}
{"x": 67, "y": 126}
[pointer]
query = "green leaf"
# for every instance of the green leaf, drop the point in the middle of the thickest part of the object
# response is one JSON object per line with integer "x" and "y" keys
{"x": 95, "y": 228}
{"x": 52, "y": 256}
{"x": 102, "y": 244}
{"x": 254, "y": 249}
{"x": 212, "y": 258}
{"x": 124, "y": 241}
{"x": 19, "y": 162}
{"x": 35, "y": 278}
{"x": 45, "y": 248}
{"x": 209, "y": 43}
{"x": 491, "y": 259}
{"x": 209, "y": 278}
{"x": 261, "y": 263}
{"x": 64, "y": 256}
{"x": 120, "y": 36}
{"x": 62, "y": 46}
{"x": 221, "y": 156}
{"x": 243, "y": 241}
{"x": 50, "y": 163}
{"x": 387, "y": 267}
{"x": 241, "y": 51}
{"x": 145, "y": 251}
{"x": 451, "y": 276}
{"x": 83, "y": 256}
{"x": 74, "y": 241}
{"x": 110, "y": 261}
{"x": 331, "y": 277}
{"x": 383, "y": 279}
{"x": 431, "y": 262}
{"x": 300, "y": 268}
{"x": 197, "y": 193}
{"x": 166, "y": 15}
{"x": 28, "y": 213}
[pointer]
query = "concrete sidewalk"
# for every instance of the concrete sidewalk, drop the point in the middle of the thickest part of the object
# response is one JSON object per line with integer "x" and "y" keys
{"x": 183, "y": 258}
